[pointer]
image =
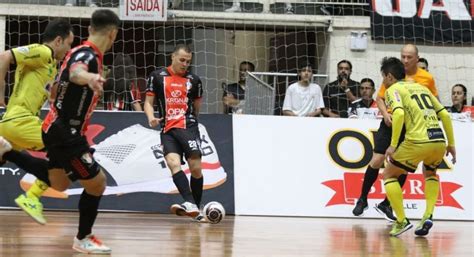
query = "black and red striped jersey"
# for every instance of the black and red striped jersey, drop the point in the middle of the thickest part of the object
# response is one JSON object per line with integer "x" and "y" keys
{"x": 175, "y": 96}
{"x": 73, "y": 105}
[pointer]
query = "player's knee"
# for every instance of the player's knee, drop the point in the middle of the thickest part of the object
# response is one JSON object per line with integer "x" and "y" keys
{"x": 174, "y": 163}
{"x": 377, "y": 161}
{"x": 429, "y": 173}
{"x": 60, "y": 185}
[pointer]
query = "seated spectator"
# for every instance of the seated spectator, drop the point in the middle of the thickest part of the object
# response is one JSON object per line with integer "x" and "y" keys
{"x": 303, "y": 98}
{"x": 90, "y": 3}
{"x": 423, "y": 64}
{"x": 340, "y": 93}
{"x": 121, "y": 92}
{"x": 459, "y": 110}
{"x": 234, "y": 94}
{"x": 365, "y": 107}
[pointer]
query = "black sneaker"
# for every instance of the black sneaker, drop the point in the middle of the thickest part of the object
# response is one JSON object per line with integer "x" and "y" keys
{"x": 386, "y": 211}
{"x": 424, "y": 226}
{"x": 360, "y": 207}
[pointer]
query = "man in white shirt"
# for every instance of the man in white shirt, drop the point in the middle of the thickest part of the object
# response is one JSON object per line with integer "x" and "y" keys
{"x": 303, "y": 98}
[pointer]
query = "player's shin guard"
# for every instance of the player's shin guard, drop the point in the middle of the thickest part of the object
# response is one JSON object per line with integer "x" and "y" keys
{"x": 196, "y": 188}
{"x": 431, "y": 194}
{"x": 395, "y": 196}
{"x": 370, "y": 177}
{"x": 401, "y": 180}
{"x": 35, "y": 166}
{"x": 182, "y": 183}
{"x": 88, "y": 206}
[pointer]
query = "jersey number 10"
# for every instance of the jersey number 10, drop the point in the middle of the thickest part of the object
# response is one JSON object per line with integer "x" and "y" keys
{"x": 423, "y": 101}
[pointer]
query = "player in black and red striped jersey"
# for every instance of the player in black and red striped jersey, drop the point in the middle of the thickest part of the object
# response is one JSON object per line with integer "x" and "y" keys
{"x": 178, "y": 93}
{"x": 80, "y": 86}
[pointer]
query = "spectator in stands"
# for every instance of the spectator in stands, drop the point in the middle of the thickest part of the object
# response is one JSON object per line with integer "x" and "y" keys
{"x": 234, "y": 94}
{"x": 236, "y": 8}
{"x": 459, "y": 110}
{"x": 90, "y": 3}
{"x": 459, "y": 99}
{"x": 365, "y": 107}
{"x": 303, "y": 98}
{"x": 423, "y": 64}
{"x": 341, "y": 92}
{"x": 121, "y": 92}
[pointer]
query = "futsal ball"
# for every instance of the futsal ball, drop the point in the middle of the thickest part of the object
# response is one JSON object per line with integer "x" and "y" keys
{"x": 214, "y": 212}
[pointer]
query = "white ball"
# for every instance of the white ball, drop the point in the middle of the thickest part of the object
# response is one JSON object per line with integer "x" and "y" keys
{"x": 214, "y": 212}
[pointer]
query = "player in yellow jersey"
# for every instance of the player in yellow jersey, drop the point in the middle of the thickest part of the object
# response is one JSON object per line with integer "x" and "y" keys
{"x": 409, "y": 56}
{"x": 416, "y": 108}
{"x": 20, "y": 127}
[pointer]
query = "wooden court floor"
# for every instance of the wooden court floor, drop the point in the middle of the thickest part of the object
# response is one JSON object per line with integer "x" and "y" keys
{"x": 166, "y": 235}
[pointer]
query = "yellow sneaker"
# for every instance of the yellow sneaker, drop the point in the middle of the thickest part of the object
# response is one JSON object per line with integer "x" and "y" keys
{"x": 32, "y": 206}
{"x": 399, "y": 228}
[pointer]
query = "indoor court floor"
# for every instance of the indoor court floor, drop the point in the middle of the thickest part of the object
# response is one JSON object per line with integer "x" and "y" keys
{"x": 133, "y": 234}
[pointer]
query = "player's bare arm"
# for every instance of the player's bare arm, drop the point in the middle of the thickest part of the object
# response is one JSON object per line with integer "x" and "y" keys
{"x": 79, "y": 75}
{"x": 387, "y": 117}
{"x": 149, "y": 111}
{"x": 6, "y": 58}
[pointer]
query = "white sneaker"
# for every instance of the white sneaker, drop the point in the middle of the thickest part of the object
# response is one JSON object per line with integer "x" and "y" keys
{"x": 5, "y": 146}
{"x": 185, "y": 209}
{"x": 234, "y": 8}
{"x": 90, "y": 245}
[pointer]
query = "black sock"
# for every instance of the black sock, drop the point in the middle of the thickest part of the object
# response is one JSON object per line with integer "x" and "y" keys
{"x": 182, "y": 183}
{"x": 36, "y": 166}
{"x": 370, "y": 177}
{"x": 88, "y": 206}
{"x": 401, "y": 180}
{"x": 196, "y": 188}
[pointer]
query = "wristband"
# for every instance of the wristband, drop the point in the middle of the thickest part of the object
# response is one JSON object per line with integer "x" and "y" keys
{"x": 347, "y": 90}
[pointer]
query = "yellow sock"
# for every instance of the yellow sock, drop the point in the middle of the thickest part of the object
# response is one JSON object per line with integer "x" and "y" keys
{"x": 37, "y": 189}
{"x": 395, "y": 196}
{"x": 431, "y": 194}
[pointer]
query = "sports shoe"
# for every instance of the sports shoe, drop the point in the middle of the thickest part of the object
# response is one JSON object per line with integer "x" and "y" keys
{"x": 185, "y": 209}
{"x": 90, "y": 245}
{"x": 386, "y": 211}
{"x": 399, "y": 228}
{"x": 32, "y": 206}
{"x": 424, "y": 226}
{"x": 360, "y": 207}
{"x": 5, "y": 146}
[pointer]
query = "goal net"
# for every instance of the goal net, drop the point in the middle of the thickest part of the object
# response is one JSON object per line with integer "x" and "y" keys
{"x": 277, "y": 41}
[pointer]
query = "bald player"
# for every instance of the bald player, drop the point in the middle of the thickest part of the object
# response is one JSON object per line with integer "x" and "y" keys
{"x": 409, "y": 57}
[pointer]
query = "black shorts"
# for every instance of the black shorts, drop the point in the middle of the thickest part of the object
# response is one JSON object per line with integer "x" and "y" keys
{"x": 70, "y": 152}
{"x": 181, "y": 141}
{"x": 383, "y": 137}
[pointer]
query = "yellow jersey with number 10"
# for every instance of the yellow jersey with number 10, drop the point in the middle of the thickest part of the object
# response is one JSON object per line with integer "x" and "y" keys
{"x": 35, "y": 72}
{"x": 421, "y": 109}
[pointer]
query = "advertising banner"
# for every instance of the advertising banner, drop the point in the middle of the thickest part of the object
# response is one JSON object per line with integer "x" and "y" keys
{"x": 444, "y": 21}
{"x": 143, "y": 10}
{"x": 137, "y": 176}
{"x": 315, "y": 167}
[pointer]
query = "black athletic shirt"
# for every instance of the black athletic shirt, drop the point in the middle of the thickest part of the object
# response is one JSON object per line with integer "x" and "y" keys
{"x": 74, "y": 104}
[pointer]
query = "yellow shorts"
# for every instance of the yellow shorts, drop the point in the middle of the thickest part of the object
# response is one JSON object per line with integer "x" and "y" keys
{"x": 409, "y": 154}
{"x": 23, "y": 133}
